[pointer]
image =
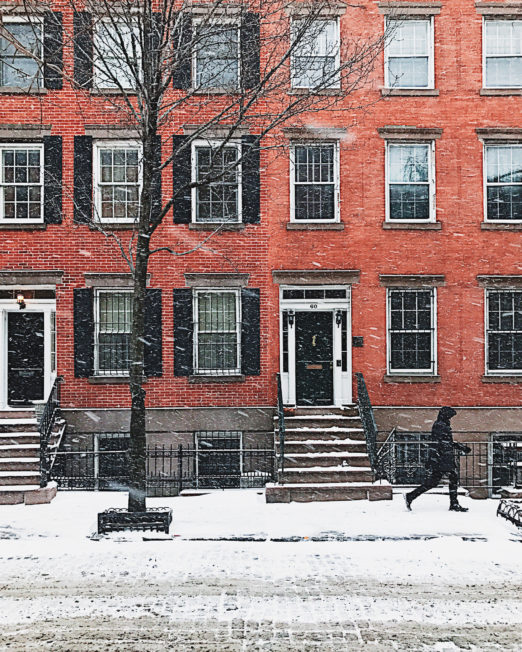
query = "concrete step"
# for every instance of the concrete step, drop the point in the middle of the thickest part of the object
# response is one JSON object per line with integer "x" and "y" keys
{"x": 349, "y": 410}
{"x": 31, "y": 494}
{"x": 19, "y": 478}
{"x": 22, "y": 437}
{"x": 19, "y": 464}
{"x": 307, "y": 460}
{"x": 322, "y": 421}
{"x": 17, "y": 414}
{"x": 307, "y": 493}
{"x": 300, "y": 434}
{"x": 327, "y": 474}
{"x": 17, "y": 425}
{"x": 323, "y": 446}
{"x": 19, "y": 450}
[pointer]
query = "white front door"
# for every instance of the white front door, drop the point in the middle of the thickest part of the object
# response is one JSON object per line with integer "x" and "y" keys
{"x": 316, "y": 346}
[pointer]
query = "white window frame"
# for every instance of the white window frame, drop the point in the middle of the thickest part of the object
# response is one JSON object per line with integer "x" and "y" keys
{"x": 195, "y": 305}
{"x": 21, "y": 145}
{"x": 97, "y": 371}
{"x": 487, "y": 370}
{"x": 38, "y": 80}
{"x": 486, "y": 184}
{"x": 333, "y": 85}
{"x": 412, "y": 372}
{"x": 336, "y": 180}
{"x": 218, "y": 22}
{"x": 490, "y": 19}
{"x": 99, "y": 76}
{"x": 431, "y": 53}
{"x": 216, "y": 143}
{"x": 431, "y": 181}
{"x": 113, "y": 144}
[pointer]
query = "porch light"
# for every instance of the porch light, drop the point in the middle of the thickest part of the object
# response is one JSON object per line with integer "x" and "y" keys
{"x": 338, "y": 317}
{"x": 20, "y": 300}
{"x": 291, "y": 316}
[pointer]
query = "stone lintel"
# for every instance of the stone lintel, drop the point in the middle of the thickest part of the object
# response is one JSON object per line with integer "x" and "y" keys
{"x": 218, "y": 280}
{"x": 29, "y": 277}
{"x": 409, "y": 132}
{"x": 412, "y": 280}
{"x": 109, "y": 280}
{"x": 316, "y": 277}
{"x": 508, "y": 134}
{"x": 399, "y": 9}
{"x": 494, "y": 281}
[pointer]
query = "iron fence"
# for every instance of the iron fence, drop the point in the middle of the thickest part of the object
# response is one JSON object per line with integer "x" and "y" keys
{"x": 170, "y": 469}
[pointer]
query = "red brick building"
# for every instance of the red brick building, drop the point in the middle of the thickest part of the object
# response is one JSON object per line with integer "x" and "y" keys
{"x": 385, "y": 241}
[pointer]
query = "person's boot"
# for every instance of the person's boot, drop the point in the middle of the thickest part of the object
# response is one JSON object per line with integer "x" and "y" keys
{"x": 408, "y": 501}
{"x": 455, "y": 507}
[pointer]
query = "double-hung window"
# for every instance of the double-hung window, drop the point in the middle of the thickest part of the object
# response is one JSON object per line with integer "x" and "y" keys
{"x": 504, "y": 331}
{"x": 216, "y": 56}
{"x": 411, "y": 331}
{"x": 315, "y": 55}
{"x": 409, "y": 54}
{"x": 411, "y": 182}
{"x": 217, "y": 330}
{"x": 117, "y": 54}
{"x": 503, "y": 165}
{"x": 113, "y": 319}
{"x": 314, "y": 181}
{"x": 21, "y": 183}
{"x": 117, "y": 181}
{"x": 19, "y": 67}
{"x": 502, "y": 53}
{"x": 216, "y": 168}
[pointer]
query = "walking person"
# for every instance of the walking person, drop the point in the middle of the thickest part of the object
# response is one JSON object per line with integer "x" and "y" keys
{"x": 441, "y": 461}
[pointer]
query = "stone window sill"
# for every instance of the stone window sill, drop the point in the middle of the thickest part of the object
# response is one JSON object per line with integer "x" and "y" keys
{"x": 113, "y": 91}
{"x": 199, "y": 226}
{"x": 412, "y": 226}
{"x": 390, "y": 378}
{"x": 111, "y": 380}
{"x": 315, "y": 226}
{"x": 112, "y": 226}
{"x": 201, "y": 379}
{"x": 510, "y": 380}
{"x": 215, "y": 91}
{"x": 39, "y": 226}
{"x": 16, "y": 90}
{"x": 500, "y": 226}
{"x": 312, "y": 91}
{"x": 500, "y": 91}
{"x": 410, "y": 92}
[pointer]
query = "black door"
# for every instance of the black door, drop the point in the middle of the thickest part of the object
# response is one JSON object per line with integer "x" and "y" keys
{"x": 314, "y": 358}
{"x": 25, "y": 357}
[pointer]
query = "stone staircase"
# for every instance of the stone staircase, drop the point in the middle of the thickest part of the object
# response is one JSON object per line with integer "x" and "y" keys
{"x": 20, "y": 459}
{"x": 325, "y": 458}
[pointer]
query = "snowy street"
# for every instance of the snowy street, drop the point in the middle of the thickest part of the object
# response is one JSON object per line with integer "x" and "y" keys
{"x": 388, "y": 579}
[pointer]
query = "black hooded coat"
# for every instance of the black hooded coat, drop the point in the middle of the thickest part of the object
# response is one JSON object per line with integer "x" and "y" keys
{"x": 442, "y": 448}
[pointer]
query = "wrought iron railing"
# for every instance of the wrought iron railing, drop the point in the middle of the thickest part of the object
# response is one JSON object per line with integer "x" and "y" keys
{"x": 281, "y": 429}
{"x": 47, "y": 420}
{"x": 368, "y": 423}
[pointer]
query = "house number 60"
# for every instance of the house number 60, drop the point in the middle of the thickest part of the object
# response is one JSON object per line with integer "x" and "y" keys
{"x": 313, "y": 306}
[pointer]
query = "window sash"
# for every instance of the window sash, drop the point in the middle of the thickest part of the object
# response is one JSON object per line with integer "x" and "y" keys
{"x": 309, "y": 194}
{"x": 228, "y": 73}
{"x": 12, "y": 191}
{"x": 502, "y": 199}
{"x": 409, "y": 67}
{"x": 12, "y": 60}
{"x": 113, "y": 321}
{"x": 217, "y": 332}
{"x": 219, "y": 201}
{"x": 503, "y": 339}
{"x": 316, "y": 57}
{"x": 117, "y": 193}
{"x": 110, "y": 60}
{"x": 502, "y": 53}
{"x": 410, "y": 197}
{"x": 416, "y": 338}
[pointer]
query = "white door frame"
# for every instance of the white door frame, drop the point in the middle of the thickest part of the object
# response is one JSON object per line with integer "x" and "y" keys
{"x": 342, "y": 380}
{"x": 46, "y": 306}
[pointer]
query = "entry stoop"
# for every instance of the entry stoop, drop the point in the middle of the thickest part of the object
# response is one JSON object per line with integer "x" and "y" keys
{"x": 325, "y": 458}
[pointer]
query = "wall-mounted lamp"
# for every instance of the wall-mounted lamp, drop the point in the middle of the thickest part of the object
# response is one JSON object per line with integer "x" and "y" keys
{"x": 291, "y": 318}
{"x": 338, "y": 317}
{"x": 20, "y": 300}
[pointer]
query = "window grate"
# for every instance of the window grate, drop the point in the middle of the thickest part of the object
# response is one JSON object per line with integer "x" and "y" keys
{"x": 113, "y": 327}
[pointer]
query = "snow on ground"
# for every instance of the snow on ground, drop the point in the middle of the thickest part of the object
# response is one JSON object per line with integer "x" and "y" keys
{"x": 244, "y": 575}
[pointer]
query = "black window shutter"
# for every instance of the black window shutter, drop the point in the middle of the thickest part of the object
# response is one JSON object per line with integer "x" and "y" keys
{"x": 83, "y": 49}
{"x": 182, "y": 40}
{"x": 53, "y": 50}
{"x": 52, "y": 179}
{"x": 250, "y": 188}
{"x": 83, "y": 332}
{"x": 181, "y": 178}
{"x": 183, "y": 332}
{"x": 82, "y": 179}
{"x": 152, "y": 353}
{"x": 156, "y": 181}
{"x": 250, "y": 332}
{"x": 250, "y": 46}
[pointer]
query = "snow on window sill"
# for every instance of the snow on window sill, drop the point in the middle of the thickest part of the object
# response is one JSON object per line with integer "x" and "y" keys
{"x": 501, "y": 226}
{"x": 25, "y": 226}
{"x": 315, "y": 226}
{"x": 202, "y": 378}
{"x": 509, "y": 379}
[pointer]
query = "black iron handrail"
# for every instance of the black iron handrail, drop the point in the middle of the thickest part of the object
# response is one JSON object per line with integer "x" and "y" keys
{"x": 386, "y": 458}
{"x": 281, "y": 428}
{"x": 368, "y": 422}
{"x": 50, "y": 413}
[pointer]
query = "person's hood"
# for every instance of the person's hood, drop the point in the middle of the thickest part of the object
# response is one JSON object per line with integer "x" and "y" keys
{"x": 446, "y": 413}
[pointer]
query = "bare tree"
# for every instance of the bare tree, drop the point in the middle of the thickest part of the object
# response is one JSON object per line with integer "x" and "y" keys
{"x": 229, "y": 66}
